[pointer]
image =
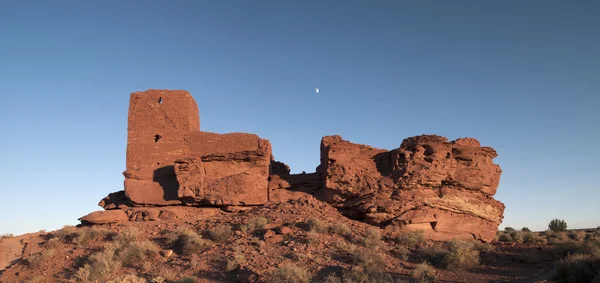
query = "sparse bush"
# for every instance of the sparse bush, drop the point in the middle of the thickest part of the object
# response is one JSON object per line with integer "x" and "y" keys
{"x": 484, "y": 247}
{"x": 52, "y": 243}
{"x": 65, "y": 234}
{"x": 533, "y": 238}
{"x": 185, "y": 241}
{"x": 291, "y": 274}
{"x": 557, "y": 225}
{"x": 505, "y": 237}
{"x": 516, "y": 236}
{"x": 557, "y": 238}
{"x": 424, "y": 273}
{"x": 340, "y": 229}
{"x": 435, "y": 254}
{"x": 129, "y": 278}
{"x": 577, "y": 268}
{"x": 254, "y": 224}
{"x": 7, "y": 235}
{"x": 139, "y": 254}
{"x": 577, "y": 235}
{"x": 36, "y": 260}
{"x": 99, "y": 265}
{"x": 82, "y": 237}
{"x": 509, "y": 229}
{"x": 316, "y": 225}
{"x": 235, "y": 261}
{"x": 412, "y": 239}
{"x": 525, "y": 229}
{"x": 372, "y": 239}
{"x": 462, "y": 255}
{"x": 127, "y": 235}
{"x": 185, "y": 280}
{"x": 220, "y": 234}
{"x": 402, "y": 252}
{"x": 370, "y": 261}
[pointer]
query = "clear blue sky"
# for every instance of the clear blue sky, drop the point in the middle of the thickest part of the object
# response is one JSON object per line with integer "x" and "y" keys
{"x": 520, "y": 76}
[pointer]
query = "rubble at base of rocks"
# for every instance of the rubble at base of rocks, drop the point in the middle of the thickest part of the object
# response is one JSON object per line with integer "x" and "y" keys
{"x": 174, "y": 170}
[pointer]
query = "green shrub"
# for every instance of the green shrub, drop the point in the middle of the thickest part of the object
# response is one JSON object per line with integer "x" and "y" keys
{"x": 424, "y": 273}
{"x": 254, "y": 224}
{"x": 220, "y": 234}
{"x": 525, "y": 229}
{"x": 509, "y": 229}
{"x": 7, "y": 235}
{"x": 316, "y": 225}
{"x": 412, "y": 239}
{"x": 557, "y": 238}
{"x": 291, "y": 274}
{"x": 435, "y": 254}
{"x": 185, "y": 241}
{"x": 577, "y": 268}
{"x": 557, "y": 225}
{"x": 462, "y": 255}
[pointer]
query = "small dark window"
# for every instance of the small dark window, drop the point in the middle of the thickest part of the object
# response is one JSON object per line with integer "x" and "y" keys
{"x": 157, "y": 137}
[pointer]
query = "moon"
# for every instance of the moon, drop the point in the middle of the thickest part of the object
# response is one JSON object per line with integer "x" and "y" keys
{"x": 316, "y": 90}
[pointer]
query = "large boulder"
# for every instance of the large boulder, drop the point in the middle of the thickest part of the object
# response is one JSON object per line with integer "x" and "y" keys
{"x": 444, "y": 188}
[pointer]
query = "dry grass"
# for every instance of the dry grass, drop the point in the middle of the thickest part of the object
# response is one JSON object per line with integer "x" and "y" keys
{"x": 316, "y": 225}
{"x": 424, "y": 273}
{"x": 236, "y": 260}
{"x": 126, "y": 235}
{"x": 220, "y": 234}
{"x": 139, "y": 254}
{"x": 185, "y": 241}
{"x": 412, "y": 239}
{"x": 99, "y": 265}
{"x": 578, "y": 268}
{"x": 533, "y": 238}
{"x": 253, "y": 224}
{"x": 291, "y": 274}
{"x": 37, "y": 260}
{"x": 129, "y": 278}
{"x": 372, "y": 239}
{"x": 340, "y": 229}
{"x": 462, "y": 255}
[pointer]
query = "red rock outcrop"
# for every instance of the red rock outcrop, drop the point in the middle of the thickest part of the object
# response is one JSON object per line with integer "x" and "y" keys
{"x": 444, "y": 188}
{"x": 428, "y": 183}
{"x": 171, "y": 162}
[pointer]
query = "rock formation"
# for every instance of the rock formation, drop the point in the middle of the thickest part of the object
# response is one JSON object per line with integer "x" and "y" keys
{"x": 444, "y": 188}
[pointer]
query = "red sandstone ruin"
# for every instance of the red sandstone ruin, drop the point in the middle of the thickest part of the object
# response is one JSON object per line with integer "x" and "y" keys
{"x": 428, "y": 183}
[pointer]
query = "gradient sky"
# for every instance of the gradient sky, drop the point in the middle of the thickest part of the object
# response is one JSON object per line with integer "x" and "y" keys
{"x": 520, "y": 76}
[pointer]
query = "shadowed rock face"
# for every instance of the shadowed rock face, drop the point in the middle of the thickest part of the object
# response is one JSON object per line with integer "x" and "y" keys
{"x": 444, "y": 188}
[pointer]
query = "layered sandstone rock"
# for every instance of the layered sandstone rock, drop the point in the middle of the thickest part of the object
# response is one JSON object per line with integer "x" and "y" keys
{"x": 444, "y": 188}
